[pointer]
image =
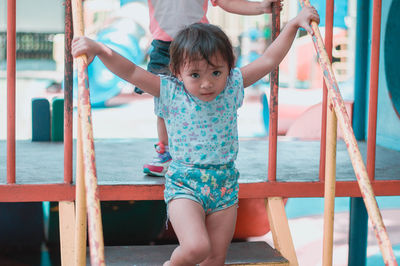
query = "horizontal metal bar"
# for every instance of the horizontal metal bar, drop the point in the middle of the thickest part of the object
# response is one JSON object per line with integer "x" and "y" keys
{"x": 61, "y": 192}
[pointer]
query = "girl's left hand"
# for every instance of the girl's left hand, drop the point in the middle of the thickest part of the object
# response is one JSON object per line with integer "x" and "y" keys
{"x": 304, "y": 18}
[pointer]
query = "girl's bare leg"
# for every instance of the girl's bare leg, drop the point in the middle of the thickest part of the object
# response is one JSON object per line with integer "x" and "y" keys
{"x": 162, "y": 131}
{"x": 188, "y": 220}
{"x": 220, "y": 227}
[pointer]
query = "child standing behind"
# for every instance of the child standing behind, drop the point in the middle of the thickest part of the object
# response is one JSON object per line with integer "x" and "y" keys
{"x": 199, "y": 105}
{"x": 167, "y": 17}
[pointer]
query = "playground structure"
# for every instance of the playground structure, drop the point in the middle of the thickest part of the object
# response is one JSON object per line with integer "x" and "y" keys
{"x": 273, "y": 189}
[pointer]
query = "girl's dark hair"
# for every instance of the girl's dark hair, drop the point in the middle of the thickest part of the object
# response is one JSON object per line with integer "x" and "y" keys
{"x": 200, "y": 41}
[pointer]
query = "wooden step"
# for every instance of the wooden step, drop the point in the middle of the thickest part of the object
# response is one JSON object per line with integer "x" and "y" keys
{"x": 240, "y": 253}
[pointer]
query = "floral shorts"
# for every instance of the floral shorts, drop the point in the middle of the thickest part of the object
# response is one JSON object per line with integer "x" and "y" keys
{"x": 215, "y": 187}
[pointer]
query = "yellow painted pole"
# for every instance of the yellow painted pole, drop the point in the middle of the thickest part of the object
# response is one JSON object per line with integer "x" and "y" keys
{"x": 96, "y": 241}
{"x": 330, "y": 181}
{"x": 352, "y": 147}
{"x": 66, "y": 211}
{"x": 80, "y": 195}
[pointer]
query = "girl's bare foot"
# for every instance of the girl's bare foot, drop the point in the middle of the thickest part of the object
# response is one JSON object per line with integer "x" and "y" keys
{"x": 166, "y": 263}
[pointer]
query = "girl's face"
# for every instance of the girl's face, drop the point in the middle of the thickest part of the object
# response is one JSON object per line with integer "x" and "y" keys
{"x": 203, "y": 80}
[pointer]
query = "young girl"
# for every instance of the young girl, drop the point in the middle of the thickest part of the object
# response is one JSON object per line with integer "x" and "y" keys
{"x": 167, "y": 17}
{"x": 199, "y": 105}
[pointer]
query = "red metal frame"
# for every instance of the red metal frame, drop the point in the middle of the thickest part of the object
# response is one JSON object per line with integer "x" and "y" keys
{"x": 66, "y": 192}
{"x": 11, "y": 70}
{"x": 328, "y": 46}
{"x": 373, "y": 90}
{"x": 273, "y": 102}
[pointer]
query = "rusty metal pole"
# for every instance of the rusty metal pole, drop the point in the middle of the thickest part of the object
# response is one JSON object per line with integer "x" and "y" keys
{"x": 68, "y": 107}
{"x": 273, "y": 100}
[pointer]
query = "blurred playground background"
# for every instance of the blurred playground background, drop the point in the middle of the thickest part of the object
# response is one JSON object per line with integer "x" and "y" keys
{"x": 120, "y": 113}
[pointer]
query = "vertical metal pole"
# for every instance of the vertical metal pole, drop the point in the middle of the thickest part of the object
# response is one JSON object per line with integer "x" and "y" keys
{"x": 328, "y": 133}
{"x": 322, "y": 150}
{"x": 80, "y": 197}
{"x": 358, "y": 225}
{"x": 80, "y": 193}
{"x": 361, "y": 68}
{"x": 273, "y": 111}
{"x": 68, "y": 108}
{"x": 11, "y": 70}
{"x": 328, "y": 44}
{"x": 330, "y": 186}
{"x": 373, "y": 90}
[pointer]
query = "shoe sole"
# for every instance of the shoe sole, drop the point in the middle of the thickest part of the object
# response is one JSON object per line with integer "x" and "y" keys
{"x": 156, "y": 170}
{"x": 148, "y": 172}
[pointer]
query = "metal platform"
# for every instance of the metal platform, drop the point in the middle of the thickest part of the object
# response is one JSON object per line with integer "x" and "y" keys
{"x": 119, "y": 164}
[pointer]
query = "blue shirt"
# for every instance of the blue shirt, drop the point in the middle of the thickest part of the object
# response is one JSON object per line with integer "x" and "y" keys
{"x": 201, "y": 132}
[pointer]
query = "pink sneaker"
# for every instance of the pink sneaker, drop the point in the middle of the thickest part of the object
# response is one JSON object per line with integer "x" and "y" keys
{"x": 160, "y": 163}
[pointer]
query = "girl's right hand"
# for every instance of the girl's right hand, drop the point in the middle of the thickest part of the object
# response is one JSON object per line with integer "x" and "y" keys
{"x": 83, "y": 45}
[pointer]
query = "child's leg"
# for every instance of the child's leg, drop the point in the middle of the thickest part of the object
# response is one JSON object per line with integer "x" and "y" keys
{"x": 160, "y": 163}
{"x": 220, "y": 227}
{"x": 159, "y": 64}
{"x": 188, "y": 220}
{"x": 162, "y": 131}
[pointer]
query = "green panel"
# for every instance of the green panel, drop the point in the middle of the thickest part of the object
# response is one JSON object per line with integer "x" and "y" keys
{"x": 53, "y": 232}
{"x": 40, "y": 119}
{"x": 358, "y": 233}
{"x": 57, "y": 120}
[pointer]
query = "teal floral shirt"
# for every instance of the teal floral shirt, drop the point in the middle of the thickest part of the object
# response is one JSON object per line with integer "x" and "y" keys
{"x": 201, "y": 132}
